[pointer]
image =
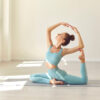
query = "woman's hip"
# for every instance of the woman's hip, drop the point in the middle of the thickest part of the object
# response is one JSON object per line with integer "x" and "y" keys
{"x": 57, "y": 73}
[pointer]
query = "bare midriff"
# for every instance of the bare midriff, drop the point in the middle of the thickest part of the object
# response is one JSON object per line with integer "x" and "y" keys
{"x": 50, "y": 66}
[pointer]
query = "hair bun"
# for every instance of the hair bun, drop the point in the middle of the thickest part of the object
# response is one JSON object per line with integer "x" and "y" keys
{"x": 72, "y": 37}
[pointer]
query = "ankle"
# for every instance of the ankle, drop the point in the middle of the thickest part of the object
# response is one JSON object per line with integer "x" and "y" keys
{"x": 82, "y": 61}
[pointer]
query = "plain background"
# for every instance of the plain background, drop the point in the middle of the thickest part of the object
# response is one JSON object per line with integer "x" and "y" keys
{"x": 29, "y": 19}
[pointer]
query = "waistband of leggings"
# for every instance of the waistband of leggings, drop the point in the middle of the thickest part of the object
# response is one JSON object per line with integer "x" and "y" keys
{"x": 56, "y": 68}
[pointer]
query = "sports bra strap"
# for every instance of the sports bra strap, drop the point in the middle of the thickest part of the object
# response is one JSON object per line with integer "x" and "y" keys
{"x": 50, "y": 46}
{"x": 59, "y": 51}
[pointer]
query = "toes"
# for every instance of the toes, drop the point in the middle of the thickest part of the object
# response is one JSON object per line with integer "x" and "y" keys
{"x": 61, "y": 82}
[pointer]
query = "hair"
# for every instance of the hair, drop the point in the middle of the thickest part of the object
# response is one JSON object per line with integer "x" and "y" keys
{"x": 68, "y": 39}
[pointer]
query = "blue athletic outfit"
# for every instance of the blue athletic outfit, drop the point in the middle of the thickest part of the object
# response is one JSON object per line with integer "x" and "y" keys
{"x": 57, "y": 73}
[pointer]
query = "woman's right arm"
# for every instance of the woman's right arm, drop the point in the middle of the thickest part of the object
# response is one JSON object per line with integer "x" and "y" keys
{"x": 56, "y": 25}
{"x": 49, "y": 29}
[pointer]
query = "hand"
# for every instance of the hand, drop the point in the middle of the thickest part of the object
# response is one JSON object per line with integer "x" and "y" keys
{"x": 65, "y": 24}
{"x": 75, "y": 29}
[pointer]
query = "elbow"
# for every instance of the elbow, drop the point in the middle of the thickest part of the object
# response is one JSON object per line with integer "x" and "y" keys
{"x": 48, "y": 29}
{"x": 81, "y": 47}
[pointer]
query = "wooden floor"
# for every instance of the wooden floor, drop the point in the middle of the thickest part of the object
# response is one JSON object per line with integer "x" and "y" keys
{"x": 22, "y": 69}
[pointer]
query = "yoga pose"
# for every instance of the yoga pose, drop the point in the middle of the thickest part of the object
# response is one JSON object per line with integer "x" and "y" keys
{"x": 55, "y": 75}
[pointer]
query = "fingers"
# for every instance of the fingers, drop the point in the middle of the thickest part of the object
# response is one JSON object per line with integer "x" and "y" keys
{"x": 65, "y": 24}
{"x": 72, "y": 27}
{"x": 68, "y": 25}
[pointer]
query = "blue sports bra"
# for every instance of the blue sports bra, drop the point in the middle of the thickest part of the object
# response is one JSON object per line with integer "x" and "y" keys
{"x": 53, "y": 58}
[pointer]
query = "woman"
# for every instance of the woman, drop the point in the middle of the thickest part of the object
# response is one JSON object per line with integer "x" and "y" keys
{"x": 53, "y": 56}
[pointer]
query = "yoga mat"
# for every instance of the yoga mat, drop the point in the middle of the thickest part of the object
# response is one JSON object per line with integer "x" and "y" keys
{"x": 27, "y": 82}
{"x": 91, "y": 83}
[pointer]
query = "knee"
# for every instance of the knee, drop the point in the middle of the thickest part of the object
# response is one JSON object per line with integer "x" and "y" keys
{"x": 32, "y": 77}
{"x": 85, "y": 81}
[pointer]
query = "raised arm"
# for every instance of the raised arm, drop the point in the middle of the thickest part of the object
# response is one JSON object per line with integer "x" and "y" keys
{"x": 78, "y": 47}
{"x": 80, "y": 41}
{"x": 53, "y": 27}
{"x": 49, "y": 29}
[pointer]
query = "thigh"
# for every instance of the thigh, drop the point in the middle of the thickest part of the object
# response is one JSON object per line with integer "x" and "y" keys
{"x": 39, "y": 75}
{"x": 57, "y": 74}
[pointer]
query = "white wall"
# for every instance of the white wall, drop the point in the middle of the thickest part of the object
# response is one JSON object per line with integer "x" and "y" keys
{"x": 6, "y": 19}
{"x": 0, "y": 29}
{"x": 32, "y": 17}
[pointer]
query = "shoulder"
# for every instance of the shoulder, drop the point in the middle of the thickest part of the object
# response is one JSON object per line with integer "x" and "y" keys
{"x": 49, "y": 46}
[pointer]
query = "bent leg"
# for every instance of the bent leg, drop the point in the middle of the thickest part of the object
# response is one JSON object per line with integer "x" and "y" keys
{"x": 40, "y": 78}
{"x": 84, "y": 73}
{"x": 74, "y": 80}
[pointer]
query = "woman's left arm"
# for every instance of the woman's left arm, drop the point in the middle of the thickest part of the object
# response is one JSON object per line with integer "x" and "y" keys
{"x": 49, "y": 41}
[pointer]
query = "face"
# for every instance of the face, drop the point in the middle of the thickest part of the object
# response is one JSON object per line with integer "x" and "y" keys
{"x": 60, "y": 36}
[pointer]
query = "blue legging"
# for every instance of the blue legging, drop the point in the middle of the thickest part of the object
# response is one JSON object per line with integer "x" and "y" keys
{"x": 62, "y": 75}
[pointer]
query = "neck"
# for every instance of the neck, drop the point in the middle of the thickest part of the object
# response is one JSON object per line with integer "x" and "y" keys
{"x": 58, "y": 45}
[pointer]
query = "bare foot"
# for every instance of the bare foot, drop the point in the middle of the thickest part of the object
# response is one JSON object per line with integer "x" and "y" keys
{"x": 54, "y": 81}
{"x": 82, "y": 55}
